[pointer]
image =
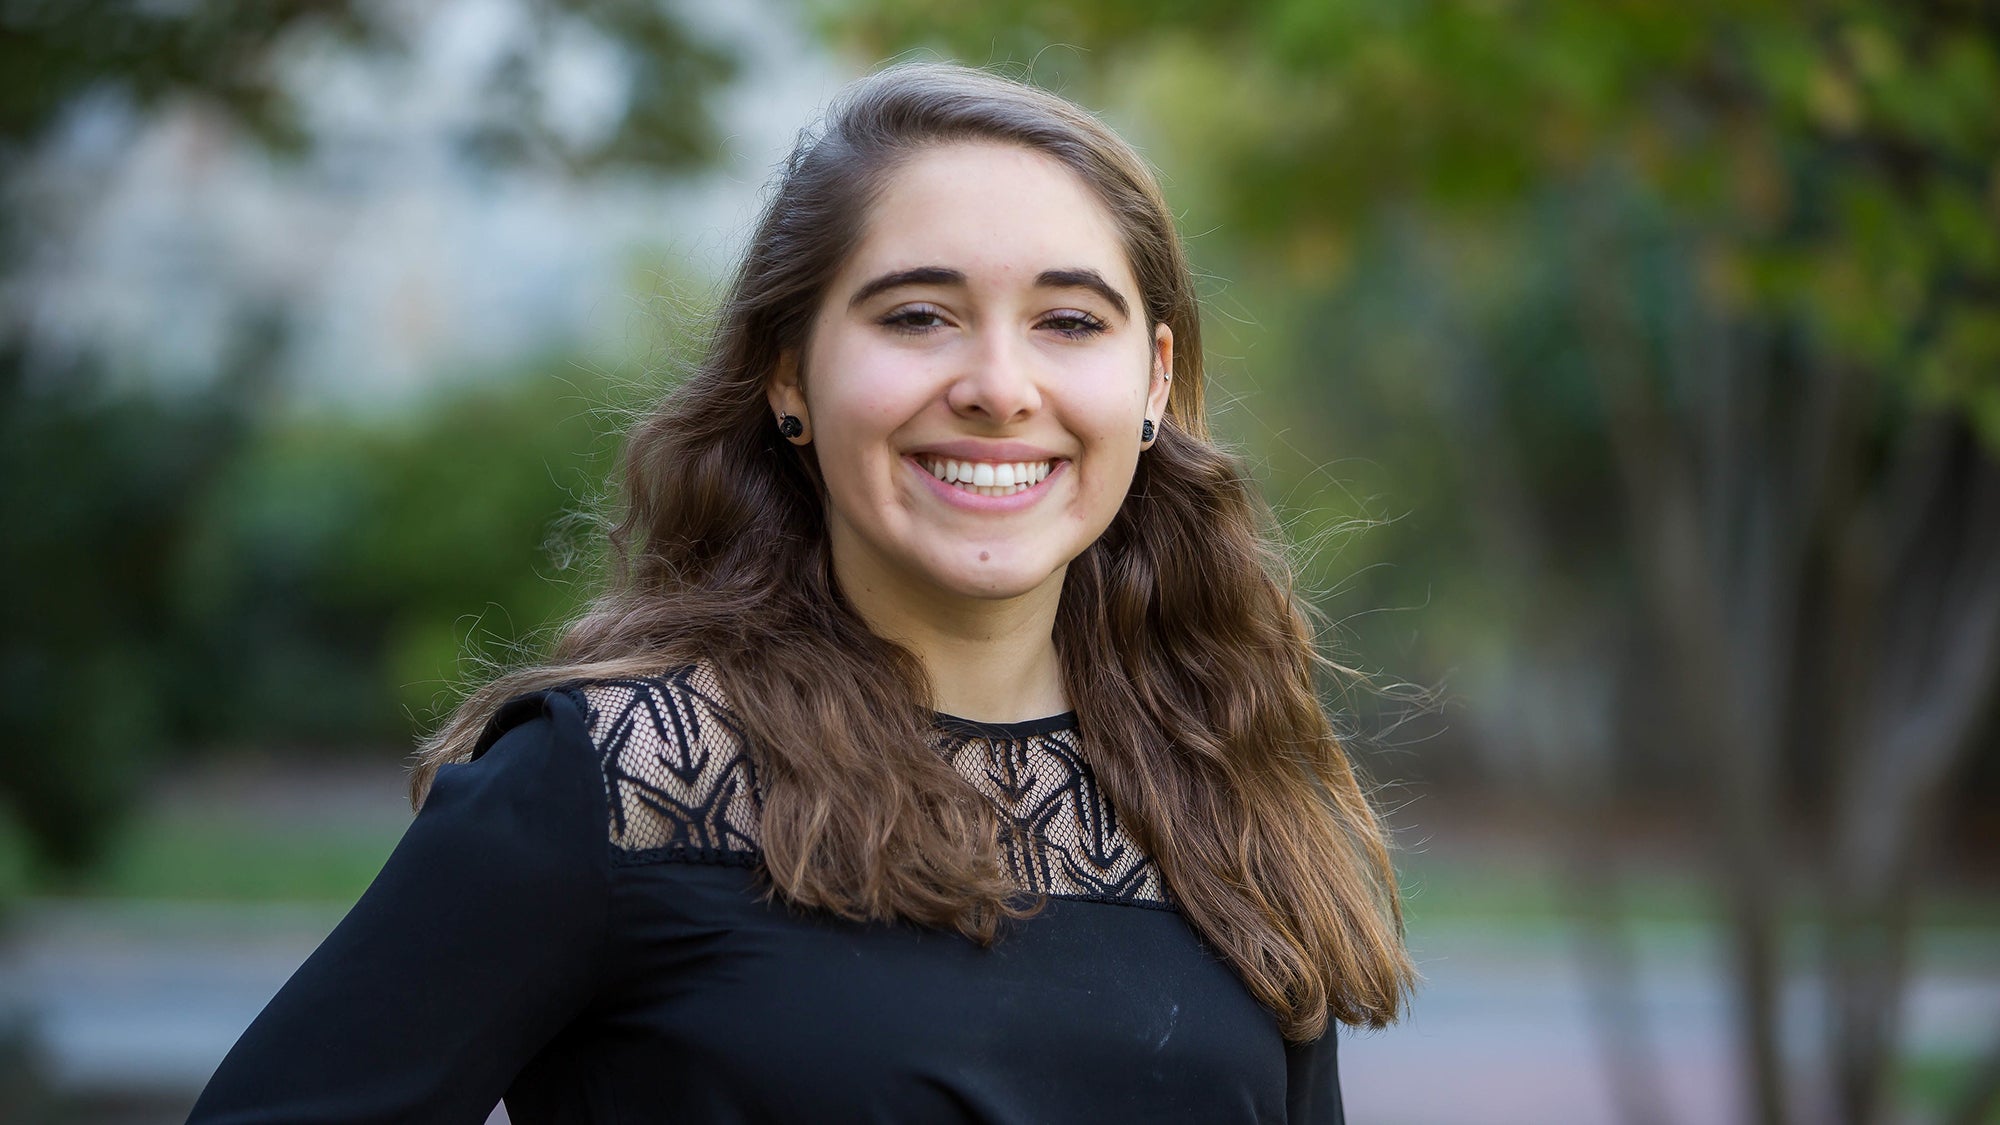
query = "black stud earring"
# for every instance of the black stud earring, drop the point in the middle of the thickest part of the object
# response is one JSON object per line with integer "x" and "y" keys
{"x": 790, "y": 426}
{"x": 1146, "y": 431}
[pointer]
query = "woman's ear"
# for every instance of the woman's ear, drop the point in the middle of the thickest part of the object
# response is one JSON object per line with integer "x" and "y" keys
{"x": 1159, "y": 388}
{"x": 788, "y": 400}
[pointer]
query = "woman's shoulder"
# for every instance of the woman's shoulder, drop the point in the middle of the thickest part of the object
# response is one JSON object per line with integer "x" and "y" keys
{"x": 684, "y": 703}
{"x": 678, "y": 776}
{"x": 628, "y": 714}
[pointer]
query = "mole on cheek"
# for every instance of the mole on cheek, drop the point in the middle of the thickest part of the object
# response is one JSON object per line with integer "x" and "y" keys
{"x": 983, "y": 556}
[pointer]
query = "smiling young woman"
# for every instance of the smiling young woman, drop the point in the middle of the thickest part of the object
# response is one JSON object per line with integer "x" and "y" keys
{"x": 944, "y": 744}
{"x": 985, "y": 330}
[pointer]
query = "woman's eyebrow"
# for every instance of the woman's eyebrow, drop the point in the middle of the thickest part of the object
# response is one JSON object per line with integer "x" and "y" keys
{"x": 1079, "y": 277}
{"x": 921, "y": 275}
{"x": 1083, "y": 278}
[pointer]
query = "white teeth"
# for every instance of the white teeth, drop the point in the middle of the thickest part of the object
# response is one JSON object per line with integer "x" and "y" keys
{"x": 988, "y": 478}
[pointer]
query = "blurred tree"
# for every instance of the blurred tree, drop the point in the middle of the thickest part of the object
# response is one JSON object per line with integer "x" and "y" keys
{"x": 231, "y": 55}
{"x": 124, "y": 570}
{"x": 96, "y": 489}
{"x": 342, "y": 568}
{"x": 1694, "y": 310}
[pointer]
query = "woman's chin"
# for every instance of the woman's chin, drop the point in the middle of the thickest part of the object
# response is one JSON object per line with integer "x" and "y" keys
{"x": 996, "y": 579}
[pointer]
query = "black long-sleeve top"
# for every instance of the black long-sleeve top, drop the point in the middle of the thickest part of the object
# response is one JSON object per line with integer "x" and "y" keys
{"x": 575, "y": 921}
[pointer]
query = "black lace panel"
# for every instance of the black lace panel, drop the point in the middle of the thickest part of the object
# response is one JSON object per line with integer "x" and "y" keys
{"x": 1062, "y": 836}
{"x": 682, "y": 785}
{"x": 678, "y": 780}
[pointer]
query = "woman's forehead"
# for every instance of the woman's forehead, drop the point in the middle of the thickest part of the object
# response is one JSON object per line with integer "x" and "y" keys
{"x": 1001, "y": 215}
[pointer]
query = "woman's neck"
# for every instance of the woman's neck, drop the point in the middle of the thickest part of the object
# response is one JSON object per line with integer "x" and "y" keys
{"x": 990, "y": 660}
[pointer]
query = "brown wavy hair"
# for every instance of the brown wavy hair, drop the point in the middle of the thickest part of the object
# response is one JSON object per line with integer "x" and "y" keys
{"x": 1188, "y": 659}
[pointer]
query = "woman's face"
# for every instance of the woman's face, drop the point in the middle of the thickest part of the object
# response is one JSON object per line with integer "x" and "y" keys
{"x": 976, "y": 380}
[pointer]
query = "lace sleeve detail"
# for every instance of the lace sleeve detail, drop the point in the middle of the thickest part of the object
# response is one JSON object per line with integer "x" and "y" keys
{"x": 678, "y": 776}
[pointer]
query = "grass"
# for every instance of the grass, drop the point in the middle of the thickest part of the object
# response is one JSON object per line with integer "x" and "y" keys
{"x": 241, "y": 863}
{"x": 189, "y": 857}
{"x": 1931, "y": 1084}
{"x": 1530, "y": 896}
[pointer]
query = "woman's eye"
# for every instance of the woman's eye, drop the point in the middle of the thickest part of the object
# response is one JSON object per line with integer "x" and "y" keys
{"x": 1074, "y": 323}
{"x": 914, "y": 321}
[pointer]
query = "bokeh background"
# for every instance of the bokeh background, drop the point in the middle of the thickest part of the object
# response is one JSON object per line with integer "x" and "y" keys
{"x": 1628, "y": 375}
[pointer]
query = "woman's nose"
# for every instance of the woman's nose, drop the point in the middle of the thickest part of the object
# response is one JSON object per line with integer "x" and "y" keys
{"x": 996, "y": 380}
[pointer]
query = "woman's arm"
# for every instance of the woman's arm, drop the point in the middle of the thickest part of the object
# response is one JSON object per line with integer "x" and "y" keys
{"x": 479, "y": 941}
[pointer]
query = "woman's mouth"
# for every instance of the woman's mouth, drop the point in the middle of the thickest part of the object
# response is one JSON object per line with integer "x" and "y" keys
{"x": 987, "y": 478}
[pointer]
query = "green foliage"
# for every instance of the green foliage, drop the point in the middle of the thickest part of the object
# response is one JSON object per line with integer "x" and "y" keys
{"x": 188, "y": 580}
{"x": 97, "y": 491}
{"x": 53, "y": 50}
{"x": 666, "y": 121}
{"x": 342, "y": 567}
{"x": 230, "y": 54}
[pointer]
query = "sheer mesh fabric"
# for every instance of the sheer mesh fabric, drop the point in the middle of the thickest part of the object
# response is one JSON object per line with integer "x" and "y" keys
{"x": 676, "y": 774}
{"x": 1060, "y": 832}
{"x": 682, "y": 784}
